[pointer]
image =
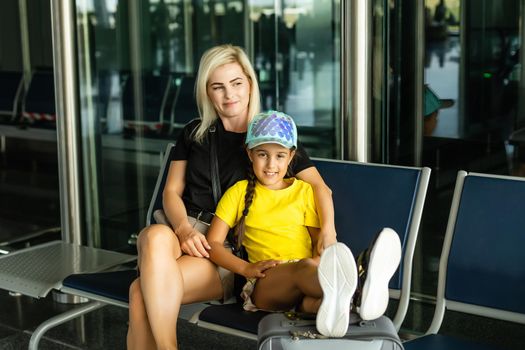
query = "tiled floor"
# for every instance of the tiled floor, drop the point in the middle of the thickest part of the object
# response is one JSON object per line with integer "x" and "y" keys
{"x": 106, "y": 328}
{"x": 101, "y": 329}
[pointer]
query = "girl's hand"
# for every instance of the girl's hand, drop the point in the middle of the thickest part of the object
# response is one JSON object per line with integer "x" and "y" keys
{"x": 256, "y": 270}
{"x": 193, "y": 242}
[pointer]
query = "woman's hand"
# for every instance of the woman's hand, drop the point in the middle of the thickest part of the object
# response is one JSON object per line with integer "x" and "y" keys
{"x": 256, "y": 270}
{"x": 193, "y": 242}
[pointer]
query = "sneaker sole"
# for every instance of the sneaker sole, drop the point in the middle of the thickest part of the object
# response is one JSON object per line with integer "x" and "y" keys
{"x": 337, "y": 275}
{"x": 384, "y": 260}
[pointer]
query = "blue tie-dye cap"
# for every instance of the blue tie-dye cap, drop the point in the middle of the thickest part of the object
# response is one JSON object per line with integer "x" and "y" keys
{"x": 272, "y": 127}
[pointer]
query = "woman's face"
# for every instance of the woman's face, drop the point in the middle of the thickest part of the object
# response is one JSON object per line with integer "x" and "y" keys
{"x": 229, "y": 91}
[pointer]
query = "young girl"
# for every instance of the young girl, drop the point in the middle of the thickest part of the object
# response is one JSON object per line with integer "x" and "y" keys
{"x": 275, "y": 220}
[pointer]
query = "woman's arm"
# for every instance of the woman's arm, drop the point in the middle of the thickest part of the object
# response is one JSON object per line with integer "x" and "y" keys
{"x": 314, "y": 236}
{"x": 224, "y": 257}
{"x": 324, "y": 204}
{"x": 192, "y": 242}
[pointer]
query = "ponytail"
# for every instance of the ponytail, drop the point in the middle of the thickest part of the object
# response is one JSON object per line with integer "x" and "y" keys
{"x": 248, "y": 199}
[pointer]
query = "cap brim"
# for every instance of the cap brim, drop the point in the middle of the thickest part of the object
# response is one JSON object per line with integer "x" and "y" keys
{"x": 446, "y": 103}
{"x": 252, "y": 145}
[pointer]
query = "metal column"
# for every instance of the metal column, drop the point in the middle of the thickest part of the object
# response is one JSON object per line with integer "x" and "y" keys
{"x": 63, "y": 30}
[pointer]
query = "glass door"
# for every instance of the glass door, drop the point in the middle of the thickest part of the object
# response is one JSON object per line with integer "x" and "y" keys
{"x": 469, "y": 82}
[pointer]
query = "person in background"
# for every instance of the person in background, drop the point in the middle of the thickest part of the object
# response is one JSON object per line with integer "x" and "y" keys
{"x": 432, "y": 105}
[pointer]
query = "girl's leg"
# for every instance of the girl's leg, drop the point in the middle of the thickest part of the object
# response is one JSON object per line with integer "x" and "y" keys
{"x": 332, "y": 280}
{"x": 167, "y": 282}
{"x": 310, "y": 305}
{"x": 285, "y": 286}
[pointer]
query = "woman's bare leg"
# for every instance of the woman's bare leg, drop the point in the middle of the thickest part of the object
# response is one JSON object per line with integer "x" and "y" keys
{"x": 285, "y": 286}
{"x": 139, "y": 332}
{"x": 166, "y": 282}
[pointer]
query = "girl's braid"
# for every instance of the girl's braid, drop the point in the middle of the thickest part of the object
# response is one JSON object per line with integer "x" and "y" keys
{"x": 248, "y": 199}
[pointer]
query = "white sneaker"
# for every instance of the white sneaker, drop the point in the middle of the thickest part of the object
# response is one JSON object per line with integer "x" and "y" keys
{"x": 376, "y": 266}
{"x": 337, "y": 275}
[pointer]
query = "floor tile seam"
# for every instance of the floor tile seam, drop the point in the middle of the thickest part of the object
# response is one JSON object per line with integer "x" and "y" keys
{"x": 11, "y": 328}
{"x": 54, "y": 340}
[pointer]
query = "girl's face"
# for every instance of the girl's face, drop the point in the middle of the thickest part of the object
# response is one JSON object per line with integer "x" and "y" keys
{"x": 229, "y": 91}
{"x": 270, "y": 163}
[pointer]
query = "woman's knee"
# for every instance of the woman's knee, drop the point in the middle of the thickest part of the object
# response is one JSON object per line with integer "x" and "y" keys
{"x": 156, "y": 237}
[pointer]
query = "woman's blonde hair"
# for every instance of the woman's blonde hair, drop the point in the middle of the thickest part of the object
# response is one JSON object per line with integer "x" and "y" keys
{"x": 210, "y": 60}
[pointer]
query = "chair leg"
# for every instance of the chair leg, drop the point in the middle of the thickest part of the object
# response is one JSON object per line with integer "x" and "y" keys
{"x": 59, "y": 319}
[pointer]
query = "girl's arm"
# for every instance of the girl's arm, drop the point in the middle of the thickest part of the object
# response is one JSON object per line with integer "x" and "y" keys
{"x": 192, "y": 242}
{"x": 224, "y": 257}
{"x": 325, "y": 206}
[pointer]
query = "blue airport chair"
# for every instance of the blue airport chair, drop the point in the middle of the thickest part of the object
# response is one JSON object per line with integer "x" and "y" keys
{"x": 156, "y": 90}
{"x": 391, "y": 196}
{"x": 38, "y": 107}
{"x": 184, "y": 107}
{"x": 11, "y": 86}
{"x": 155, "y": 213}
{"x": 367, "y": 197}
{"x": 482, "y": 265}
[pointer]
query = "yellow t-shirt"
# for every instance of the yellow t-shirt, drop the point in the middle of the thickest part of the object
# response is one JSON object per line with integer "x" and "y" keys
{"x": 276, "y": 221}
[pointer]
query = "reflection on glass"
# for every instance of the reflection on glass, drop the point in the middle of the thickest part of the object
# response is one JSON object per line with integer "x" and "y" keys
{"x": 138, "y": 63}
{"x": 480, "y": 71}
{"x": 472, "y": 63}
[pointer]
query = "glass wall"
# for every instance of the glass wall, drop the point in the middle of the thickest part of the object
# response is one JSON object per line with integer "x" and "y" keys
{"x": 29, "y": 195}
{"x": 137, "y": 66}
{"x": 471, "y": 59}
{"x": 473, "y": 63}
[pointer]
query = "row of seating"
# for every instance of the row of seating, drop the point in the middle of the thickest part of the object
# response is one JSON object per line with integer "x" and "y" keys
{"x": 34, "y": 106}
{"x": 378, "y": 196}
{"x": 482, "y": 268}
{"x": 167, "y": 105}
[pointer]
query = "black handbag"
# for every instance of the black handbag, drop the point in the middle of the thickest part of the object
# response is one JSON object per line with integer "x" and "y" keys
{"x": 214, "y": 165}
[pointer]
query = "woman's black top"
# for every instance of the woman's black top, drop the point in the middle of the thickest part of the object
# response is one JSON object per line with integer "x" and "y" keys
{"x": 232, "y": 159}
